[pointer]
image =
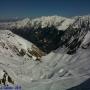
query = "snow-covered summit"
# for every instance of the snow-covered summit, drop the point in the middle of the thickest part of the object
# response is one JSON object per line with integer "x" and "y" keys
{"x": 61, "y": 23}
{"x": 21, "y": 23}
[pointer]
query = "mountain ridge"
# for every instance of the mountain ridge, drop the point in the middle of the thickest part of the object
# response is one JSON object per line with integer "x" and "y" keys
{"x": 67, "y": 63}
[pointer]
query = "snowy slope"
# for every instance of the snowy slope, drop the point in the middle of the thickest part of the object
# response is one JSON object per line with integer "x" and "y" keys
{"x": 58, "y": 70}
{"x": 61, "y": 23}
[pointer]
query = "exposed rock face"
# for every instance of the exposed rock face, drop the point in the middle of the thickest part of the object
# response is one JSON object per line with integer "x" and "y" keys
{"x": 66, "y": 55}
{"x": 50, "y": 38}
{"x": 5, "y": 79}
{"x": 10, "y": 46}
{"x": 47, "y": 39}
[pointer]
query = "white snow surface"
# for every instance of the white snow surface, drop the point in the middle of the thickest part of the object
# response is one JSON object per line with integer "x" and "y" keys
{"x": 61, "y": 23}
{"x": 56, "y": 71}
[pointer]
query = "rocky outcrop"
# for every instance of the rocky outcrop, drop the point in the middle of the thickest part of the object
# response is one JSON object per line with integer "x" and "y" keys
{"x": 50, "y": 38}
{"x": 6, "y": 79}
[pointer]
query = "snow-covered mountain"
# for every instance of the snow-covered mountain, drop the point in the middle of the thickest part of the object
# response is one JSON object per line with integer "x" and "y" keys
{"x": 61, "y": 23}
{"x": 47, "y": 53}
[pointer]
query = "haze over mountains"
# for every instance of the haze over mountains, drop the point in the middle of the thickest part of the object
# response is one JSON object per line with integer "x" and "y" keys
{"x": 46, "y": 53}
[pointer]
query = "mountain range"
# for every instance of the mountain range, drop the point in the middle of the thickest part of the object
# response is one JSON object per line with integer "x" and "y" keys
{"x": 46, "y": 53}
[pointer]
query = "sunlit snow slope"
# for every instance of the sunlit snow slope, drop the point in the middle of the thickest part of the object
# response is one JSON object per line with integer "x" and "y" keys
{"x": 27, "y": 64}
